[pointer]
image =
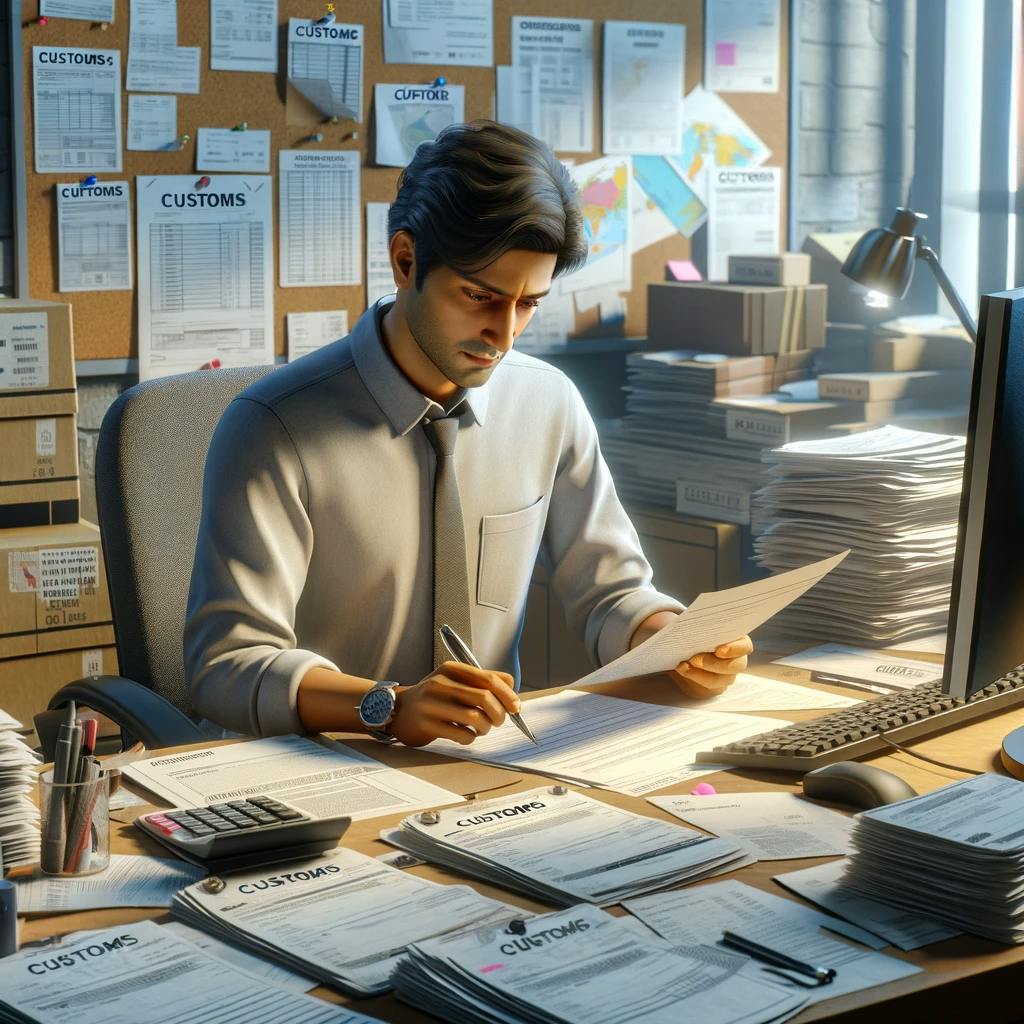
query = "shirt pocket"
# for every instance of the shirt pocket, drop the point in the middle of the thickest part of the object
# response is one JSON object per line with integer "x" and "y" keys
{"x": 508, "y": 550}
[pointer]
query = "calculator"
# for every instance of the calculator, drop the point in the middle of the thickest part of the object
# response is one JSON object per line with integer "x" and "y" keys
{"x": 242, "y": 833}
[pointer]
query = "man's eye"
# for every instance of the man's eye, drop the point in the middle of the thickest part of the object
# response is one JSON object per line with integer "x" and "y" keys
{"x": 531, "y": 303}
{"x": 479, "y": 297}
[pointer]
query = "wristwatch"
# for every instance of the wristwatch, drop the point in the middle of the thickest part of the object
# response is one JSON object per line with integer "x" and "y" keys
{"x": 377, "y": 710}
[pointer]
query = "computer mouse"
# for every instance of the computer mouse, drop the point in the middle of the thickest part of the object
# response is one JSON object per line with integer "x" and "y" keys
{"x": 856, "y": 784}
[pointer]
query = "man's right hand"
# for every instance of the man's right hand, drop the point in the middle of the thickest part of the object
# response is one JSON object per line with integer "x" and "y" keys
{"x": 455, "y": 702}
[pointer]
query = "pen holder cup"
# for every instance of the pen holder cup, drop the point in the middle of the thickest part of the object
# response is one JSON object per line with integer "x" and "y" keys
{"x": 75, "y": 826}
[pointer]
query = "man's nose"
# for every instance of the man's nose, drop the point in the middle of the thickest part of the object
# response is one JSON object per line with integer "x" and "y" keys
{"x": 501, "y": 330}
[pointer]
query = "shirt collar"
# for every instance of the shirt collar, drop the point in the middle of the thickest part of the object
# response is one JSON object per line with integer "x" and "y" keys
{"x": 402, "y": 403}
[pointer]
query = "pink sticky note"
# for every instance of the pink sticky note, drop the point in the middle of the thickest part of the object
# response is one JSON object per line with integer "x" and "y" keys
{"x": 725, "y": 54}
{"x": 681, "y": 270}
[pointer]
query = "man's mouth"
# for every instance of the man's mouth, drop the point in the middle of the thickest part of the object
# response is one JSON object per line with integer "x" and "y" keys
{"x": 481, "y": 360}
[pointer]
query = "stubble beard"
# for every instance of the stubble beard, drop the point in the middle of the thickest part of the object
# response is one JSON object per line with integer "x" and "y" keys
{"x": 445, "y": 356}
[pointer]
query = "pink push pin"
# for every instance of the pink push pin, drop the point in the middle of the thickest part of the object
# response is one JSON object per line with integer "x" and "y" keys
{"x": 703, "y": 789}
{"x": 203, "y": 182}
{"x": 213, "y": 364}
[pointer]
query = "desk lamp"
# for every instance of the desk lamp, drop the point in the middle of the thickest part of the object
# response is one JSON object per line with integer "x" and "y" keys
{"x": 883, "y": 260}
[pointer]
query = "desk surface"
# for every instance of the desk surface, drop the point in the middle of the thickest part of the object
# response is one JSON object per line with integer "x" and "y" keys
{"x": 963, "y": 977}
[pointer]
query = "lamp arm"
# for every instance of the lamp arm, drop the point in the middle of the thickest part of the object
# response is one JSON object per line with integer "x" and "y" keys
{"x": 931, "y": 257}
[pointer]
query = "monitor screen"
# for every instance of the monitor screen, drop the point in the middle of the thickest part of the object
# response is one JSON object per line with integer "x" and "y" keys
{"x": 985, "y": 637}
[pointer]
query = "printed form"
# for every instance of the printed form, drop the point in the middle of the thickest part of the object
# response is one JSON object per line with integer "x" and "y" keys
{"x": 642, "y": 95}
{"x": 77, "y": 103}
{"x": 380, "y": 278}
{"x": 243, "y": 35}
{"x": 741, "y": 45}
{"x": 744, "y": 207}
{"x": 223, "y": 149}
{"x": 623, "y": 745}
{"x": 152, "y": 122}
{"x": 156, "y": 63}
{"x": 325, "y": 63}
{"x": 320, "y": 217}
{"x": 94, "y": 237}
{"x": 563, "y": 49}
{"x": 453, "y": 32}
{"x": 517, "y": 96}
{"x": 82, "y": 10}
{"x": 155, "y": 970}
{"x": 410, "y": 114}
{"x": 309, "y": 331}
{"x": 322, "y": 779}
{"x": 206, "y": 286}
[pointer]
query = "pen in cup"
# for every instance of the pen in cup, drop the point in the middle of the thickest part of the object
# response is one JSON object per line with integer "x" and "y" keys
{"x": 52, "y": 849}
{"x": 821, "y": 975}
{"x": 460, "y": 652}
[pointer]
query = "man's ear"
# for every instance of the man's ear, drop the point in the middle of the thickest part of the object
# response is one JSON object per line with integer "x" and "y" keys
{"x": 402, "y": 249}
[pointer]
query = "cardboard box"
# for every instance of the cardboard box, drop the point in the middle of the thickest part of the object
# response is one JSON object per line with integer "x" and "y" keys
{"x": 785, "y": 269}
{"x": 38, "y": 471}
{"x": 37, "y": 359}
{"x": 737, "y": 320}
{"x": 770, "y": 422}
{"x": 943, "y": 349}
{"x": 27, "y": 684}
{"x": 936, "y": 386}
{"x": 53, "y": 590}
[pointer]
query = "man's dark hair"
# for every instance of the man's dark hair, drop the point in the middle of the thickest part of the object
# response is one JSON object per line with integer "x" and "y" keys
{"x": 481, "y": 189}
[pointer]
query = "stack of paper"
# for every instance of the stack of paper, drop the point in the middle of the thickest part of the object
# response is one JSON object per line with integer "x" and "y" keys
{"x": 564, "y": 847}
{"x": 582, "y": 966}
{"x": 142, "y": 972}
{"x": 956, "y": 855}
{"x": 344, "y": 918}
{"x": 891, "y": 496}
{"x": 19, "y": 816}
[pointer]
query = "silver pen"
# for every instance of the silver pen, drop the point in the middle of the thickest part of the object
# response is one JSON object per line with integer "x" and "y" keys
{"x": 821, "y": 975}
{"x": 460, "y": 652}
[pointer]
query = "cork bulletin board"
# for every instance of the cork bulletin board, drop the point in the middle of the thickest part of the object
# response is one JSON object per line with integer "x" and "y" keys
{"x": 105, "y": 323}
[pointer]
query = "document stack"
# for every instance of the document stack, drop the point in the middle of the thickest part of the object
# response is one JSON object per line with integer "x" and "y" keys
{"x": 672, "y": 450}
{"x": 19, "y": 816}
{"x": 955, "y": 855}
{"x": 563, "y": 847}
{"x": 583, "y": 966}
{"x": 890, "y": 495}
{"x": 343, "y": 918}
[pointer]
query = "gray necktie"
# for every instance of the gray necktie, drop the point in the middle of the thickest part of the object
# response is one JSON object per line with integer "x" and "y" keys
{"x": 451, "y": 576}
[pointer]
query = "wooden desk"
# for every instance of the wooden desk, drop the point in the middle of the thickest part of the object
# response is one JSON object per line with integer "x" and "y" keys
{"x": 964, "y": 978}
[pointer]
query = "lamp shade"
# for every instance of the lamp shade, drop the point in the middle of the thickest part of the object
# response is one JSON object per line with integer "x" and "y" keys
{"x": 882, "y": 259}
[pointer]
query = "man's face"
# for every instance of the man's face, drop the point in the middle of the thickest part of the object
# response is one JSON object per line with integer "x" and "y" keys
{"x": 464, "y": 324}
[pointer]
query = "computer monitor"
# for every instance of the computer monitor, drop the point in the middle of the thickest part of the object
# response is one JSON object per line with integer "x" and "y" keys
{"x": 985, "y": 635}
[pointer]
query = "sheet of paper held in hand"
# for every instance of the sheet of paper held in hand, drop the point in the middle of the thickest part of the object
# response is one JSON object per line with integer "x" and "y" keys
{"x": 322, "y": 778}
{"x": 714, "y": 619}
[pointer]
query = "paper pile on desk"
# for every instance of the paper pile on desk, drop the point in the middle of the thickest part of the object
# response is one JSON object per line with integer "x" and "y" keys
{"x": 344, "y": 918}
{"x": 583, "y": 966}
{"x": 564, "y": 847}
{"x": 891, "y": 496}
{"x": 701, "y": 914}
{"x": 19, "y": 816}
{"x": 141, "y": 973}
{"x": 956, "y": 854}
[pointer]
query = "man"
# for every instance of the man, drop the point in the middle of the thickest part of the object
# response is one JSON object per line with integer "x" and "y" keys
{"x": 313, "y": 604}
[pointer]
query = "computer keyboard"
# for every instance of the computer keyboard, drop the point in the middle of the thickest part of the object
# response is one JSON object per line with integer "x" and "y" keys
{"x": 856, "y": 731}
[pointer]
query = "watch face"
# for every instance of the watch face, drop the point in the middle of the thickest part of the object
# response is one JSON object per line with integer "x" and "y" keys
{"x": 375, "y": 708}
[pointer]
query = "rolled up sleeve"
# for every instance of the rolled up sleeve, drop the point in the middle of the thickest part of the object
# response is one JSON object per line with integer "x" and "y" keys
{"x": 253, "y": 550}
{"x": 599, "y": 571}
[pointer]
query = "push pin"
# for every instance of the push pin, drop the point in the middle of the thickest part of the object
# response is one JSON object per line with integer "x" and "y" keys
{"x": 349, "y": 135}
{"x": 429, "y": 817}
{"x": 184, "y": 140}
{"x": 241, "y": 126}
{"x": 89, "y": 181}
{"x": 315, "y": 137}
{"x": 334, "y": 120}
{"x": 328, "y": 18}
{"x": 440, "y": 82}
{"x": 104, "y": 26}
{"x": 213, "y": 364}
{"x": 213, "y": 884}
{"x": 203, "y": 182}
{"x": 704, "y": 789}
{"x": 558, "y": 790}
{"x": 43, "y": 21}
{"x": 516, "y": 927}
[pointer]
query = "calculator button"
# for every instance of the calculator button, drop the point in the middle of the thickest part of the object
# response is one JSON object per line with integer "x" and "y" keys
{"x": 266, "y": 819}
{"x": 201, "y": 830}
{"x": 222, "y": 826}
{"x": 163, "y": 823}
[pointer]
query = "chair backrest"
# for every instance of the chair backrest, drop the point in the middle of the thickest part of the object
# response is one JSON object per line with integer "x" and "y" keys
{"x": 149, "y": 478}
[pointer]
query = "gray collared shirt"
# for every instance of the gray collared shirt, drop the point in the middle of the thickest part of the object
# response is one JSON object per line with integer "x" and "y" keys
{"x": 314, "y": 546}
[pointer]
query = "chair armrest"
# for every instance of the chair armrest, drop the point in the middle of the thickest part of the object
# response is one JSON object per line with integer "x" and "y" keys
{"x": 142, "y": 714}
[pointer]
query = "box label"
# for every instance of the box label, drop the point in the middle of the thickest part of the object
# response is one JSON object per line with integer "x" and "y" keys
{"x": 23, "y": 571}
{"x": 92, "y": 662}
{"x": 712, "y": 501}
{"x": 851, "y": 389}
{"x": 24, "y": 350}
{"x": 65, "y": 573}
{"x": 758, "y": 427}
{"x": 46, "y": 438}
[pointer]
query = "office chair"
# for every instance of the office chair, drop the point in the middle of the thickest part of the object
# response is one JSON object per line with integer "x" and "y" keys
{"x": 149, "y": 476}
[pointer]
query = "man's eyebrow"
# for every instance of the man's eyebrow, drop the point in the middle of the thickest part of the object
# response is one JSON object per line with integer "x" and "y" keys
{"x": 498, "y": 291}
